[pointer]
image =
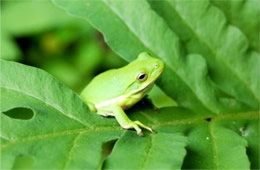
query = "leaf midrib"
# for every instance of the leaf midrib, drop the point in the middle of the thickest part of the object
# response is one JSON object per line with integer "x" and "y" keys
{"x": 83, "y": 130}
{"x": 244, "y": 115}
{"x": 148, "y": 152}
{"x": 214, "y": 146}
{"x": 67, "y": 161}
{"x": 58, "y": 134}
{"x": 253, "y": 115}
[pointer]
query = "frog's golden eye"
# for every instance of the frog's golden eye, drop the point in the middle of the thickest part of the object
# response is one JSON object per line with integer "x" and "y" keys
{"x": 142, "y": 76}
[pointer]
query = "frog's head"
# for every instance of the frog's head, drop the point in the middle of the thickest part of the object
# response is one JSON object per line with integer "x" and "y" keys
{"x": 144, "y": 71}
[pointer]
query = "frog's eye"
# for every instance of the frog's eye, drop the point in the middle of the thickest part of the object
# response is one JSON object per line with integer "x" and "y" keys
{"x": 142, "y": 76}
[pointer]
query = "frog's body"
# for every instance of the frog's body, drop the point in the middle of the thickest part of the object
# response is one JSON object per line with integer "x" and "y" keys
{"x": 112, "y": 92}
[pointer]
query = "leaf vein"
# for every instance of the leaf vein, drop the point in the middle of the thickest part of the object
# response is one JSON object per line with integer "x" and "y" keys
{"x": 73, "y": 145}
{"x": 148, "y": 117}
{"x": 214, "y": 147}
{"x": 148, "y": 151}
{"x": 57, "y": 134}
{"x": 178, "y": 122}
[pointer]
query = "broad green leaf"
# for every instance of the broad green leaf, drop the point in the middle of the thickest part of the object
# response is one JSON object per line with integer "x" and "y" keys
{"x": 46, "y": 125}
{"x": 146, "y": 153}
{"x": 186, "y": 79}
{"x": 127, "y": 32}
{"x": 226, "y": 141}
{"x": 248, "y": 128}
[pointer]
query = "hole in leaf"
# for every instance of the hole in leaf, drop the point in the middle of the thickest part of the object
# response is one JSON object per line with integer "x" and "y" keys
{"x": 20, "y": 113}
{"x": 106, "y": 150}
{"x": 208, "y": 119}
{"x": 23, "y": 162}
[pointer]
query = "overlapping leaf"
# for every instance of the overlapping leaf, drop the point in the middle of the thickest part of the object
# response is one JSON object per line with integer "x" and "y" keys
{"x": 139, "y": 28}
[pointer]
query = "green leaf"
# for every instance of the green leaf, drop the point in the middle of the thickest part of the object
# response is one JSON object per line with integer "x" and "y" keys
{"x": 146, "y": 153}
{"x": 226, "y": 141}
{"x": 52, "y": 128}
{"x": 139, "y": 27}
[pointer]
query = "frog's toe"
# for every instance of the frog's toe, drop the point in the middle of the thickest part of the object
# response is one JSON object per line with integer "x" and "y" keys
{"x": 133, "y": 125}
{"x": 144, "y": 126}
{"x": 137, "y": 125}
{"x": 140, "y": 133}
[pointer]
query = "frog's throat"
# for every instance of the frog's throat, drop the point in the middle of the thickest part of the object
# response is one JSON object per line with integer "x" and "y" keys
{"x": 123, "y": 97}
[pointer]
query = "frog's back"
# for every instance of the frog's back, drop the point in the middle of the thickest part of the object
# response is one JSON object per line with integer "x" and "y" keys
{"x": 105, "y": 86}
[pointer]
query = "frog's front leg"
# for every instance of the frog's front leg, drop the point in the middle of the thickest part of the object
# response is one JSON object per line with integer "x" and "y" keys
{"x": 126, "y": 123}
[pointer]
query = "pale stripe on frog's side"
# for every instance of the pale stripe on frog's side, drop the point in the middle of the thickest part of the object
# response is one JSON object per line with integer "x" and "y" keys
{"x": 124, "y": 97}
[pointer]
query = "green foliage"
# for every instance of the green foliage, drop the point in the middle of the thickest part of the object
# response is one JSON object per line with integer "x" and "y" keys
{"x": 212, "y": 59}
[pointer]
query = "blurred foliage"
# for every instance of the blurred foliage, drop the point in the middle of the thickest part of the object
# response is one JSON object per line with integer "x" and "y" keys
{"x": 67, "y": 47}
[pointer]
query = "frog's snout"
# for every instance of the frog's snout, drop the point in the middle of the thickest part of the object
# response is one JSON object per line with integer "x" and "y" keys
{"x": 158, "y": 68}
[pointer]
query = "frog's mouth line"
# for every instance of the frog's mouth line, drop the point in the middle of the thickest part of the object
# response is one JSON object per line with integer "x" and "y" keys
{"x": 123, "y": 97}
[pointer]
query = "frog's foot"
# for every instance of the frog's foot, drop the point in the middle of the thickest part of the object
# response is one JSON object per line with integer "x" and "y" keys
{"x": 126, "y": 123}
{"x": 136, "y": 125}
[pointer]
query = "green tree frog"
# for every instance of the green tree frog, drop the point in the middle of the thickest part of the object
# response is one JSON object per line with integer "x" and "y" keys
{"x": 113, "y": 91}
